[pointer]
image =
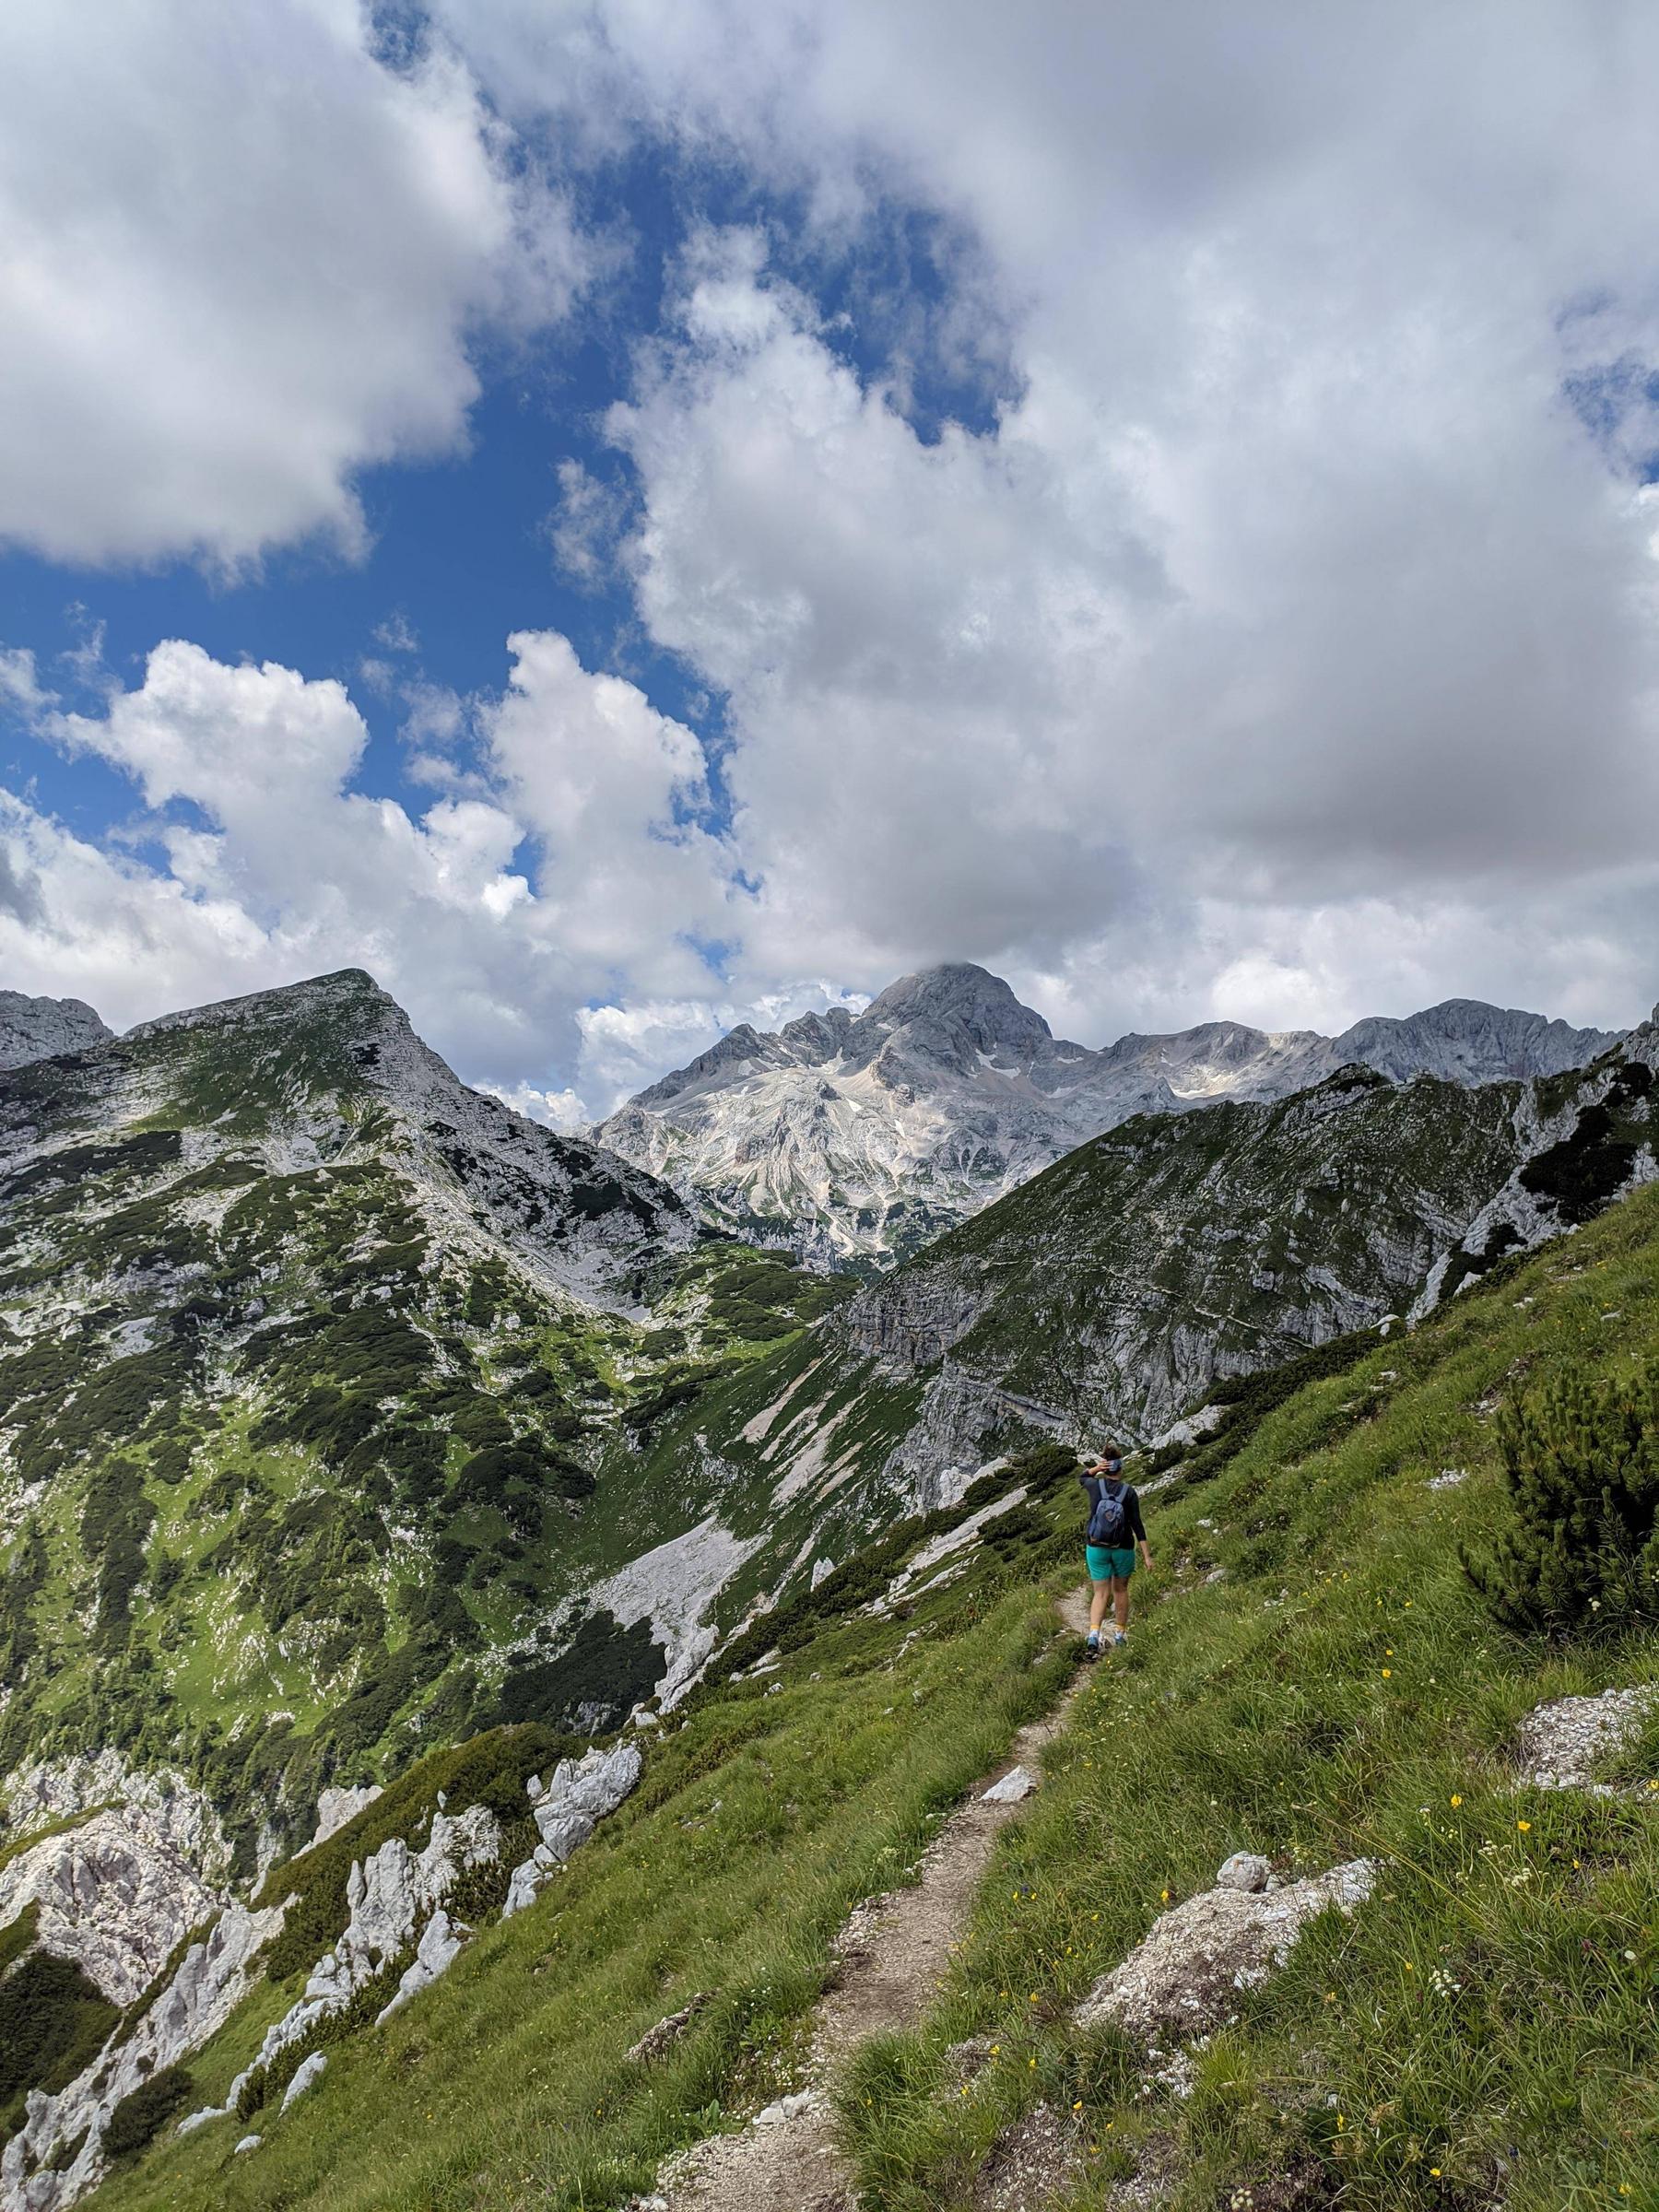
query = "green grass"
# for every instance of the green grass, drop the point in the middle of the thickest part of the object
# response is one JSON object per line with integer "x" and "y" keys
{"x": 757, "y": 1826}
{"x": 1493, "y": 2012}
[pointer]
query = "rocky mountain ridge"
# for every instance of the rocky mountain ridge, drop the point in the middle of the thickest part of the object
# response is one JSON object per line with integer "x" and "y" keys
{"x": 42, "y": 1028}
{"x": 855, "y": 1139}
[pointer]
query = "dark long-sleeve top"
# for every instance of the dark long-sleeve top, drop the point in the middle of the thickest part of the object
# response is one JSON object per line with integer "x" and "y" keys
{"x": 1134, "y": 1528}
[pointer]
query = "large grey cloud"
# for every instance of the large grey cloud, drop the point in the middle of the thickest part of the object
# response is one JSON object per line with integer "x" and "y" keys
{"x": 1283, "y": 646}
{"x": 1290, "y": 601}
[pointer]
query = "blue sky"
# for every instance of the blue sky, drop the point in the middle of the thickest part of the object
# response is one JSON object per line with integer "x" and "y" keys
{"x": 1163, "y": 511}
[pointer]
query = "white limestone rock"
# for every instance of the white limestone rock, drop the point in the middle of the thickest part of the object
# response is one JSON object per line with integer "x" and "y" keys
{"x": 42, "y": 1028}
{"x": 210, "y": 1982}
{"x": 390, "y": 1895}
{"x": 248, "y": 2143}
{"x": 336, "y": 1808}
{"x": 1185, "y": 1975}
{"x": 579, "y": 1795}
{"x": 1244, "y": 1870}
{"x": 437, "y": 1951}
{"x": 118, "y": 1891}
{"x": 1560, "y": 1745}
{"x": 1019, "y": 1781}
{"x": 306, "y": 2075}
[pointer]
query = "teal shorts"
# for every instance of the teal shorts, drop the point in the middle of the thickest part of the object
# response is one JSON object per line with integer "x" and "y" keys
{"x": 1106, "y": 1559}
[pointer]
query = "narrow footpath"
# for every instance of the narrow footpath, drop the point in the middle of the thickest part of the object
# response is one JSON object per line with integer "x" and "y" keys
{"x": 893, "y": 1954}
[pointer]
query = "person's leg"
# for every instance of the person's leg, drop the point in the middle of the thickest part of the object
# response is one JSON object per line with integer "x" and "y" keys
{"x": 1099, "y": 1593}
{"x": 1120, "y": 1601}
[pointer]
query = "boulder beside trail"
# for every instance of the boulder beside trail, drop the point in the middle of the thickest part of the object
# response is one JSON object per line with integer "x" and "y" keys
{"x": 1185, "y": 1976}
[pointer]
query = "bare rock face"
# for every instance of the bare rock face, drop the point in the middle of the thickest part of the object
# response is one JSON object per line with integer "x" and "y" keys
{"x": 118, "y": 1891}
{"x": 209, "y": 1984}
{"x": 1560, "y": 1745}
{"x": 567, "y": 1811}
{"x": 1183, "y": 1979}
{"x": 854, "y": 1138}
{"x": 44, "y": 1028}
{"x": 337, "y": 1807}
{"x": 437, "y": 1951}
{"x": 309, "y": 2072}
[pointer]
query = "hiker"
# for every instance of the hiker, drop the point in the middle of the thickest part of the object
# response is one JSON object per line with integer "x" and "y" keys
{"x": 1115, "y": 1528}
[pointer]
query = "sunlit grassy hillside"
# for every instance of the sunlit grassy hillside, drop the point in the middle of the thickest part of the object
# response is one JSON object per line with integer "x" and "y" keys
{"x": 1481, "y": 2032}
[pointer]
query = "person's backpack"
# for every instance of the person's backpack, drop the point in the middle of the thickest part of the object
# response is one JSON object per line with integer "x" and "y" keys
{"x": 1109, "y": 1520}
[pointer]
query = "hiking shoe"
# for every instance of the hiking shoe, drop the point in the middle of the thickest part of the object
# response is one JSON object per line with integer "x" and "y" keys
{"x": 1120, "y": 1639}
{"x": 1092, "y": 1645}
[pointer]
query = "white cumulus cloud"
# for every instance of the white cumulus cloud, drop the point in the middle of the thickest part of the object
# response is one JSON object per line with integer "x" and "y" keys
{"x": 244, "y": 258}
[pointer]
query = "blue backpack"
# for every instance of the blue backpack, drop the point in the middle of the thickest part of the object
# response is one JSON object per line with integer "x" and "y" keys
{"x": 1107, "y": 1524}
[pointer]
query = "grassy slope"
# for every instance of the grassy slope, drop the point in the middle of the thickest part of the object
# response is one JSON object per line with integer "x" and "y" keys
{"x": 758, "y": 1825}
{"x": 1254, "y": 1710}
{"x": 1491, "y": 2015}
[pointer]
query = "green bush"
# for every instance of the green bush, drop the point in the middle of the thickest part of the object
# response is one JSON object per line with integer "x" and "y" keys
{"x": 1581, "y": 1461}
{"x": 138, "y": 2118}
{"x": 593, "y": 1685}
{"x": 53, "y": 2022}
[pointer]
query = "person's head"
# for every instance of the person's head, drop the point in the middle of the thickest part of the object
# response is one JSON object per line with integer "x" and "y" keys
{"x": 1110, "y": 1461}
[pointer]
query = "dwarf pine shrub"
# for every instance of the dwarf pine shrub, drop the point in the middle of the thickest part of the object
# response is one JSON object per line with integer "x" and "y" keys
{"x": 1581, "y": 1461}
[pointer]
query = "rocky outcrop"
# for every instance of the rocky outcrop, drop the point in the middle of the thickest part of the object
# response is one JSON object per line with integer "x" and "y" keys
{"x": 1581, "y": 1145}
{"x": 567, "y": 1811}
{"x": 210, "y": 1982}
{"x": 437, "y": 1951}
{"x": 119, "y": 1889}
{"x": 41, "y": 1029}
{"x": 307, "y": 2074}
{"x": 391, "y": 1895}
{"x": 1184, "y": 1979}
{"x": 1563, "y": 1745}
{"x": 337, "y": 1807}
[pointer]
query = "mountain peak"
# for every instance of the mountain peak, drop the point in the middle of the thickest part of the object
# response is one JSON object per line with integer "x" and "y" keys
{"x": 44, "y": 1028}
{"x": 961, "y": 1008}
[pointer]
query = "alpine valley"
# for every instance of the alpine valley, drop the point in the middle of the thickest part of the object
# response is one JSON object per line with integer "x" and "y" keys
{"x": 477, "y": 1600}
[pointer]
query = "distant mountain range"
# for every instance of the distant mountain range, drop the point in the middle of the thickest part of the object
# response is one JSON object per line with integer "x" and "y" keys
{"x": 857, "y": 1139}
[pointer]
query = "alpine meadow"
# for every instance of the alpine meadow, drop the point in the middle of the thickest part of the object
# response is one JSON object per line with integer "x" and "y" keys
{"x": 829, "y": 1159}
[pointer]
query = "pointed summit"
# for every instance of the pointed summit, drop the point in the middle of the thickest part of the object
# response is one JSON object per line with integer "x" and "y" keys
{"x": 857, "y": 1138}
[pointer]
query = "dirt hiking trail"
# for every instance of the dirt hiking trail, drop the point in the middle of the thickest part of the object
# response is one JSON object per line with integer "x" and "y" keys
{"x": 893, "y": 1955}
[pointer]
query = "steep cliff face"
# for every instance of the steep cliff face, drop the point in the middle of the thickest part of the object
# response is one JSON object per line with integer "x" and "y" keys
{"x": 858, "y": 1139}
{"x": 1113, "y": 1288}
{"x": 1110, "y": 1291}
{"x": 42, "y": 1028}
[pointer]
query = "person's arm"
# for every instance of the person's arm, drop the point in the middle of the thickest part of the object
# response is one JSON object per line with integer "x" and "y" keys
{"x": 1138, "y": 1530}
